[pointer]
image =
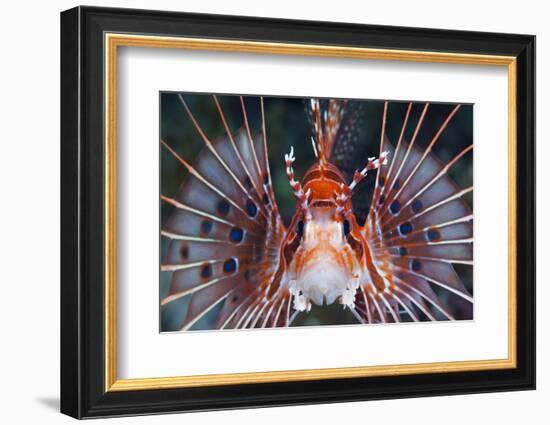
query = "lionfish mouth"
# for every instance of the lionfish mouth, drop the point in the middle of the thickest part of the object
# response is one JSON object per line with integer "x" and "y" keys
{"x": 324, "y": 203}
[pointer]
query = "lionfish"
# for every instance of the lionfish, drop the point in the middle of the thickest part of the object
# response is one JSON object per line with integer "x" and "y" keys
{"x": 230, "y": 252}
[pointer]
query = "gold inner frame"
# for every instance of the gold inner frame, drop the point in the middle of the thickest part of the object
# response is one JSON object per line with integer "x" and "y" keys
{"x": 113, "y": 41}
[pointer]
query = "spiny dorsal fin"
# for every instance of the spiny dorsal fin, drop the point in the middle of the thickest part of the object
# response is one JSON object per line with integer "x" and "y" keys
{"x": 325, "y": 117}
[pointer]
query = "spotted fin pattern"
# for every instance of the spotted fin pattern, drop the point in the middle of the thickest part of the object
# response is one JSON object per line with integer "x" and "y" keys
{"x": 225, "y": 232}
{"x": 417, "y": 228}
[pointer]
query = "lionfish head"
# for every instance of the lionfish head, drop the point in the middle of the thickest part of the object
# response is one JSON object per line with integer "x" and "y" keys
{"x": 324, "y": 247}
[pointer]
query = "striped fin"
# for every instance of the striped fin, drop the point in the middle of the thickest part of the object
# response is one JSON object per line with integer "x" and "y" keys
{"x": 419, "y": 227}
{"x": 225, "y": 230}
{"x": 325, "y": 117}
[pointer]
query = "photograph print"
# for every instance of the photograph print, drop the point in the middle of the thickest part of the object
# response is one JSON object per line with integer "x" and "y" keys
{"x": 284, "y": 211}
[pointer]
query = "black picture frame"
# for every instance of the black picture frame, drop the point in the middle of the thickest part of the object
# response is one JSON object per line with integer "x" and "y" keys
{"x": 83, "y": 392}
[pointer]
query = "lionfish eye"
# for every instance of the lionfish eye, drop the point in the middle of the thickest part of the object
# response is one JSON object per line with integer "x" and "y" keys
{"x": 300, "y": 228}
{"x": 347, "y": 227}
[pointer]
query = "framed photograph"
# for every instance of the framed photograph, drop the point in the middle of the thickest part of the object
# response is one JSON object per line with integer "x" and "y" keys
{"x": 262, "y": 212}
